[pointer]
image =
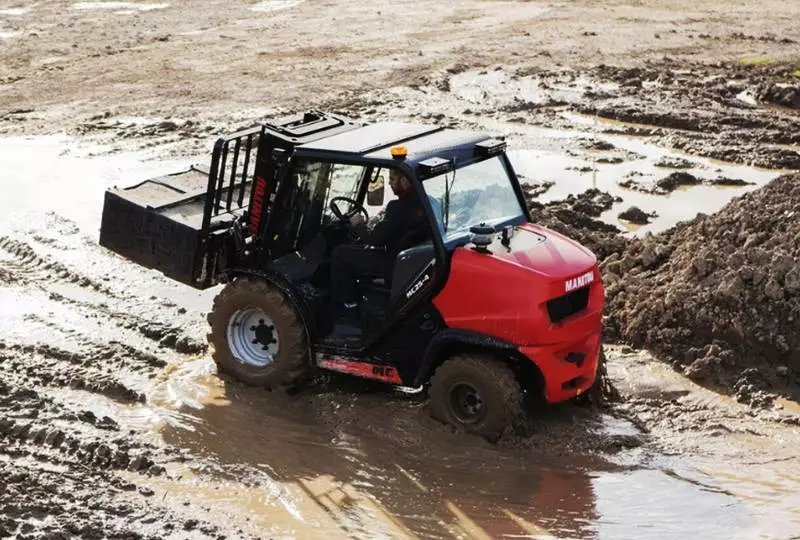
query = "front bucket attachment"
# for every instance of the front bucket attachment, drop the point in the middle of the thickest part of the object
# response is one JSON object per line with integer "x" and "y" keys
{"x": 159, "y": 224}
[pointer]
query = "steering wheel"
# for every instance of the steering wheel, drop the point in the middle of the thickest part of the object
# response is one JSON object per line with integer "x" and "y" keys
{"x": 355, "y": 208}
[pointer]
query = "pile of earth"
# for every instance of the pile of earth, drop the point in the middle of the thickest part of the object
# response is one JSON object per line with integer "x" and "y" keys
{"x": 575, "y": 217}
{"x": 719, "y": 296}
{"x": 784, "y": 95}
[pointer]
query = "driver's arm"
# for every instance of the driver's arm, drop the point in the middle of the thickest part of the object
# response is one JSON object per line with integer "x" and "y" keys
{"x": 383, "y": 230}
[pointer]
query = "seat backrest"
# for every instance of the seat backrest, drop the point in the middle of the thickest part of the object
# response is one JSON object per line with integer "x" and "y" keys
{"x": 410, "y": 238}
{"x": 408, "y": 265}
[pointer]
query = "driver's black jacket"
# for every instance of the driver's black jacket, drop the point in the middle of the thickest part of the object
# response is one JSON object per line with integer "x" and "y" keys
{"x": 402, "y": 216}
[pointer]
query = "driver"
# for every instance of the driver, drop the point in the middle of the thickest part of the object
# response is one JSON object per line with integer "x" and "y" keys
{"x": 380, "y": 244}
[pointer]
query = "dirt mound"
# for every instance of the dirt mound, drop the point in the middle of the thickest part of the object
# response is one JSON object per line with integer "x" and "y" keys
{"x": 575, "y": 218}
{"x": 785, "y": 95}
{"x": 636, "y": 215}
{"x": 718, "y": 296}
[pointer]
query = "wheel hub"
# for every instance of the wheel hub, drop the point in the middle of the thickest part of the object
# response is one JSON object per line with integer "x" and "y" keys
{"x": 252, "y": 337}
{"x": 466, "y": 402}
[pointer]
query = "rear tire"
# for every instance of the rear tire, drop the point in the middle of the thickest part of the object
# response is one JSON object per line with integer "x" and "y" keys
{"x": 476, "y": 393}
{"x": 257, "y": 336}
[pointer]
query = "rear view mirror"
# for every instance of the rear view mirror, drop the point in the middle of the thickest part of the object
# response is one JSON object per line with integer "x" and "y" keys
{"x": 375, "y": 191}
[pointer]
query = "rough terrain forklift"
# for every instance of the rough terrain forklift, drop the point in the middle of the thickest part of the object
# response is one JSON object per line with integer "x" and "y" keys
{"x": 480, "y": 306}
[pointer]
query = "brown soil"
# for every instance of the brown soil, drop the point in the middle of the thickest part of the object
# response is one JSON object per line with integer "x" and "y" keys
{"x": 719, "y": 296}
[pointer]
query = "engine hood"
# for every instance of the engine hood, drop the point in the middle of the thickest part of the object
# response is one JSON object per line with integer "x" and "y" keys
{"x": 544, "y": 252}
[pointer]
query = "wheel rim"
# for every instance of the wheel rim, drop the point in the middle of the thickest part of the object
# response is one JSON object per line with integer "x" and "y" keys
{"x": 466, "y": 403}
{"x": 252, "y": 337}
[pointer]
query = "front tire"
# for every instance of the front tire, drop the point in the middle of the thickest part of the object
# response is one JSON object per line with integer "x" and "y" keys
{"x": 476, "y": 393}
{"x": 602, "y": 392}
{"x": 257, "y": 336}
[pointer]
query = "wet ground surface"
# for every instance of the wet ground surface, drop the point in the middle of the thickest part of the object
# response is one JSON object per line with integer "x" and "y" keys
{"x": 113, "y": 421}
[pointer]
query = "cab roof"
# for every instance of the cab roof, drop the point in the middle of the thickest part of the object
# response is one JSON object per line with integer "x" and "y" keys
{"x": 374, "y": 141}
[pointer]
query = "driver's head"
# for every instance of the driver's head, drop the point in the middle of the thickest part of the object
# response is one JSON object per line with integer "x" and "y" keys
{"x": 399, "y": 183}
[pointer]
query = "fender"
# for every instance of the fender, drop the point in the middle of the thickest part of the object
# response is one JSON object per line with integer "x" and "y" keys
{"x": 283, "y": 285}
{"x": 457, "y": 336}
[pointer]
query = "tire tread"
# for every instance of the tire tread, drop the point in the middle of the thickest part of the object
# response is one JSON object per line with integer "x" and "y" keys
{"x": 291, "y": 364}
{"x": 487, "y": 368}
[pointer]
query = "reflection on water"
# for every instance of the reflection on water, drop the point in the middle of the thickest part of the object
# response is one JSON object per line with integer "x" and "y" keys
{"x": 14, "y": 12}
{"x": 370, "y": 466}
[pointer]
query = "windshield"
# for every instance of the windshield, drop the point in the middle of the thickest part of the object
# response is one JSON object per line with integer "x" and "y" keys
{"x": 478, "y": 193}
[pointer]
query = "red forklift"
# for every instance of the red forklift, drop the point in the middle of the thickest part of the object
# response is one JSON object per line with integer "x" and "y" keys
{"x": 481, "y": 307}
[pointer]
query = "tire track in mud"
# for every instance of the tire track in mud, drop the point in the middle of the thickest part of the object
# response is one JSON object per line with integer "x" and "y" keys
{"x": 58, "y": 474}
{"x": 164, "y": 334}
{"x": 35, "y": 425}
{"x": 25, "y": 266}
{"x": 66, "y": 468}
{"x": 99, "y": 369}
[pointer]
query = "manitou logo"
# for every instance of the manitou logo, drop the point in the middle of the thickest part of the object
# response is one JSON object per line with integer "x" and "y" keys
{"x": 578, "y": 282}
{"x": 258, "y": 205}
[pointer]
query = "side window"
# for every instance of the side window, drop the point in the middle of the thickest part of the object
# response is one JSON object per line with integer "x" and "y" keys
{"x": 306, "y": 204}
{"x": 301, "y": 201}
{"x": 344, "y": 180}
{"x": 379, "y": 191}
{"x": 376, "y": 191}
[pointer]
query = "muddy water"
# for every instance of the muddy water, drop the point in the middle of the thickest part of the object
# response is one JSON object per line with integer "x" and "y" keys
{"x": 549, "y": 161}
{"x": 275, "y": 5}
{"x": 119, "y": 7}
{"x": 579, "y": 153}
{"x": 321, "y": 464}
{"x": 371, "y": 465}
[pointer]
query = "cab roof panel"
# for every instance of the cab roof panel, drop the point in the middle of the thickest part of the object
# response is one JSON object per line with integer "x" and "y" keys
{"x": 374, "y": 141}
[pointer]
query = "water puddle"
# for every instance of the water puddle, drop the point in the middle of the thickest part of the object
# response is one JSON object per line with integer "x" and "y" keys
{"x": 65, "y": 177}
{"x": 354, "y": 464}
{"x": 350, "y": 466}
{"x": 120, "y": 7}
{"x": 489, "y": 89}
{"x": 8, "y": 35}
{"x": 275, "y": 5}
{"x": 556, "y": 156}
{"x": 14, "y": 12}
{"x": 789, "y": 406}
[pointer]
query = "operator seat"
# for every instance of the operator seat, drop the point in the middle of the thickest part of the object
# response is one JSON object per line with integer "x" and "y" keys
{"x": 383, "y": 283}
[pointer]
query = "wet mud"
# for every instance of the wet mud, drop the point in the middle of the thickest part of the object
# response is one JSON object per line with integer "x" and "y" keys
{"x": 719, "y": 296}
{"x": 705, "y": 109}
{"x": 653, "y": 135}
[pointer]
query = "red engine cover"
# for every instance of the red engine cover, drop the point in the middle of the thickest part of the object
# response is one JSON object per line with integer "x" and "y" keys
{"x": 504, "y": 294}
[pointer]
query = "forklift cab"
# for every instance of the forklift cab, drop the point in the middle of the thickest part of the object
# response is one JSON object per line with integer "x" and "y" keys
{"x": 274, "y": 203}
{"x": 311, "y": 216}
